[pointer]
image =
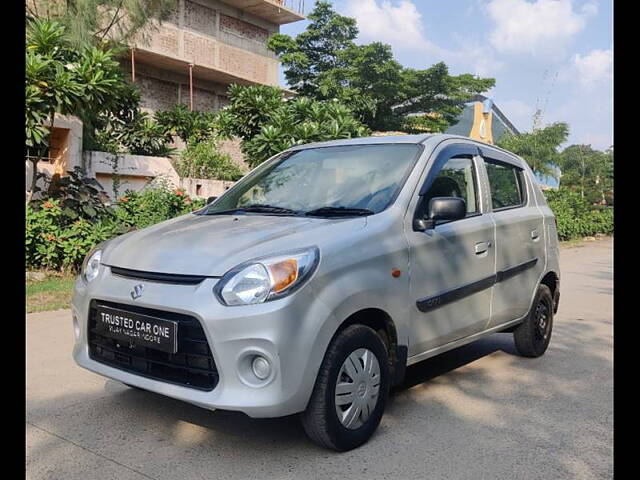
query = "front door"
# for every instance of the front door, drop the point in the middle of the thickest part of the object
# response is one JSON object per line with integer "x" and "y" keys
{"x": 452, "y": 265}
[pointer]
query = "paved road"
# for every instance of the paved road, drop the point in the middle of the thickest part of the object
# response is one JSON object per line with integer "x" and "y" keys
{"x": 479, "y": 412}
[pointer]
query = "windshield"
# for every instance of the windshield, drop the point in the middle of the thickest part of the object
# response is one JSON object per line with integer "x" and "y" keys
{"x": 353, "y": 179}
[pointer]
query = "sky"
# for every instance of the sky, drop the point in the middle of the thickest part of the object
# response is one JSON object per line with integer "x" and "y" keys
{"x": 555, "y": 55}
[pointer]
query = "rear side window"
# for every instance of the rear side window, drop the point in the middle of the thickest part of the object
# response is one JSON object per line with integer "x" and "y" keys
{"x": 507, "y": 185}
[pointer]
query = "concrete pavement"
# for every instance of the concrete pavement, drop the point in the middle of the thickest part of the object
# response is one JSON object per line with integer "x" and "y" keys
{"x": 476, "y": 412}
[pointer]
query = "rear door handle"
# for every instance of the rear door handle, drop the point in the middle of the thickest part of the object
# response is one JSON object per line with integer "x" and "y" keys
{"x": 535, "y": 234}
{"x": 482, "y": 247}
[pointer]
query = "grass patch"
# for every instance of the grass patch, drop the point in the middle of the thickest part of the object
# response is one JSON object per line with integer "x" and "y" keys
{"x": 52, "y": 293}
{"x": 576, "y": 243}
{"x": 582, "y": 242}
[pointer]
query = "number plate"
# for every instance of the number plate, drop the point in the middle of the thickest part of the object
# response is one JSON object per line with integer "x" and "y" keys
{"x": 138, "y": 329}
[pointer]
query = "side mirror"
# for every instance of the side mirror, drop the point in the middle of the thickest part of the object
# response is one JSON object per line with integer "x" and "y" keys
{"x": 446, "y": 208}
{"x": 441, "y": 208}
{"x": 210, "y": 199}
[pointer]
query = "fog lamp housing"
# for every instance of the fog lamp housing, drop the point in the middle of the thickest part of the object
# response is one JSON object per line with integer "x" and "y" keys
{"x": 261, "y": 367}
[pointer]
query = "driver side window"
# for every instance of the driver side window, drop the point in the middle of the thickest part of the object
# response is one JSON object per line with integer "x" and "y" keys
{"x": 456, "y": 179}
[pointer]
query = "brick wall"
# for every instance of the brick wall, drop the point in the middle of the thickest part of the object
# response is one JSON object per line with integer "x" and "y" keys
{"x": 199, "y": 18}
{"x": 243, "y": 29}
{"x": 243, "y": 64}
{"x": 165, "y": 40}
{"x": 204, "y": 100}
{"x": 157, "y": 94}
{"x": 174, "y": 15}
{"x": 200, "y": 50}
{"x": 162, "y": 95}
{"x": 161, "y": 89}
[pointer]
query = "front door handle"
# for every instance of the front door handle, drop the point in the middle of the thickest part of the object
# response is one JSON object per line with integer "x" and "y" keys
{"x": 535, "y": 234}
{"x": 482, "y": 247}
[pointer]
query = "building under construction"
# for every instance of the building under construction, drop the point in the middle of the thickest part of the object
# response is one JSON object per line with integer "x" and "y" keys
{"x": 206, "y": 45}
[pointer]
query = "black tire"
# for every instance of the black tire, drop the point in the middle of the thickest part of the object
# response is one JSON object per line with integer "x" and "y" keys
{"x": 320, "y": 420}
{"x": 533, "y": 335}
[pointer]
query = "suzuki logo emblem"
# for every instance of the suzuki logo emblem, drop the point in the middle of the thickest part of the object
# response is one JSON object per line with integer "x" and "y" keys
{"x": 137, "y": 291}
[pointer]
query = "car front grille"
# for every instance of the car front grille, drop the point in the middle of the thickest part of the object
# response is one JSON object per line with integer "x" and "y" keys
{"x": 158, "y": 277}
{"x": 191, "y": 366}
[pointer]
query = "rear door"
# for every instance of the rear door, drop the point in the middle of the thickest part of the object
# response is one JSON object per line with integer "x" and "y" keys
{"x": 452, "y": 264}
{"x": 520, "y": 236}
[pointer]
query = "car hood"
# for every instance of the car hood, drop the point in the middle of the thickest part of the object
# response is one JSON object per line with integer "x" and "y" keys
{"x": 212, "y": 244}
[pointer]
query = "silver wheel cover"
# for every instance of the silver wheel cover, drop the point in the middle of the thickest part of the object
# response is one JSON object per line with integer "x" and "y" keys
{"x": 357, "y": 388}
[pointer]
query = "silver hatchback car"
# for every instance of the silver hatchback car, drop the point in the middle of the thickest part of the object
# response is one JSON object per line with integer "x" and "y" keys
{"x": 314, "y": 282}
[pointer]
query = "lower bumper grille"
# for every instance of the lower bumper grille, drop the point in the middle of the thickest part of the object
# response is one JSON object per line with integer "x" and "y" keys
{"x": 191, "y": 366}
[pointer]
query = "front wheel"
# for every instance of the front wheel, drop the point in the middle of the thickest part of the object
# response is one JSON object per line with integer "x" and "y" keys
{"x": 351, "y": 390}
{"x": 533, "y": 335}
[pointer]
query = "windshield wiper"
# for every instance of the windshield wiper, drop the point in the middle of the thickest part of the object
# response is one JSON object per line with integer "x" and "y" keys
{"x": 338, "y": 211}
{"x": 257, "y": 208}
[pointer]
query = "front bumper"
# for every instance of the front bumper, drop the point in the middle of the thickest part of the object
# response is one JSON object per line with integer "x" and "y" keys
{"x": 291, "y": 333}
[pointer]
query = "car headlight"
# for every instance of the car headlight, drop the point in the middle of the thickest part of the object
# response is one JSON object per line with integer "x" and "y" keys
{"x": 91, "y": 264}
{"x": 268, "y": 278}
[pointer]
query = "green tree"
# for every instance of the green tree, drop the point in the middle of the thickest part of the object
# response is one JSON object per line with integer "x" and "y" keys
{"x": 60, "y": 78}
{"x": 323, "y": 62}
{"x": 587, "y": 171}
{"x": 91, "y": 21}
{"x": 268, "y": 124}
{"x": 539, "y": 147}
{"x": 315, "y": 50}
{"x": 370, "y": 80}
{"x": 440, "y": 97}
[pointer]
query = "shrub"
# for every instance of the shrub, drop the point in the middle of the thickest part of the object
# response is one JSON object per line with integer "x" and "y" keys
{"x": 185, "y": 123}
{"x": 53, "y": 243}
{"x": 201, "y": 159}
{"x": 56, "y": 241}
{"x": 156, "y": 203}
{"x": 80, "y": 197}
{"x": 577, "y": 218}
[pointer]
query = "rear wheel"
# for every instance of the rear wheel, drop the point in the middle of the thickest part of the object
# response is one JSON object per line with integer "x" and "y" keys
{"x": 533, "y": 335}
{"x": 351, "y": 390}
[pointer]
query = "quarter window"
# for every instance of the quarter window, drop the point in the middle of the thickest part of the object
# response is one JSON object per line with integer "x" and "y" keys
{"x": 507, "y": 185}
{"x": 456, "y": 179}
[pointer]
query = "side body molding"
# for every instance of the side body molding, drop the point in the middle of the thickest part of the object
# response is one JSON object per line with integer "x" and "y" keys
{"x": 428, "y": 304}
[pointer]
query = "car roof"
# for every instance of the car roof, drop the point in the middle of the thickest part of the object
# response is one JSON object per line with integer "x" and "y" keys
{"x": 366, "y": 141}
{"x": 434, "y": 139}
